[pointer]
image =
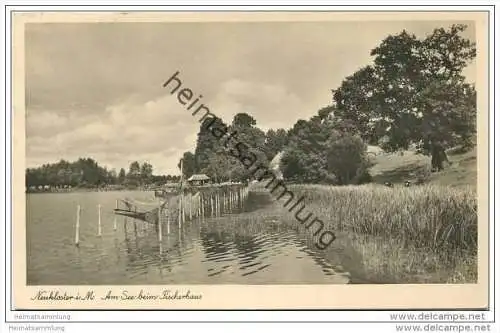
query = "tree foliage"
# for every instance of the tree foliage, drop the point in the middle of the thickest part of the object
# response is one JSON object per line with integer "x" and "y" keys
{"x": 188, "y": 164}
{"x": 276, "y": 140}
{"x": 414, "y": 93}
{"x": 86, "y": 172}
{"x": 347, "y": 158}
{"x": 323, "y": 150}
{"x": 213, "y": 149}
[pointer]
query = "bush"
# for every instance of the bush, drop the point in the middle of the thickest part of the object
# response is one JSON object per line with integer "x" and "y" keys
{"x": 348, "y": 159}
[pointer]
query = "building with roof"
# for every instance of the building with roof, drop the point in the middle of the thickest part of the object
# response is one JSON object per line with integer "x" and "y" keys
{"x": 198, "y": 180}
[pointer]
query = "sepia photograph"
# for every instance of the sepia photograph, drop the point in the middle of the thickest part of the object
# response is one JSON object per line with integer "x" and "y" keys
{"x": 250, "y": 152}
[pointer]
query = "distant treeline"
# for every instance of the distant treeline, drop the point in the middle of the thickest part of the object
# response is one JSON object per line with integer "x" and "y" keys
{"x": 87, "y": 173}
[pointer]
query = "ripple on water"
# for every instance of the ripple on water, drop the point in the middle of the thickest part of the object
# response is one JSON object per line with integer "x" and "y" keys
{"x": 206, "y": 253}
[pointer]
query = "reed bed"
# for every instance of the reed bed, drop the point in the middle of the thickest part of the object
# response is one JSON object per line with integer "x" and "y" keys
{"x": 424, "y": 233}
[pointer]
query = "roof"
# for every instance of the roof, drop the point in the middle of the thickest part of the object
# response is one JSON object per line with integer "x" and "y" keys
{"x": 199, "y": 177}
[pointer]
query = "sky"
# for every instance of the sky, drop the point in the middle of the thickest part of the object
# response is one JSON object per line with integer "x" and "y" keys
{"x": 95, "y": 89}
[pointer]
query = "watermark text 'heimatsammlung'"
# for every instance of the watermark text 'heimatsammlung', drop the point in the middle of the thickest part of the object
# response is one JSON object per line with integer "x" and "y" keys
{"x": 241, "y": 151}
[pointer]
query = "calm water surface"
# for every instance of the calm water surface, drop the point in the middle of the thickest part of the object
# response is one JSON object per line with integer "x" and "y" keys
{"x": 212, "y": 251}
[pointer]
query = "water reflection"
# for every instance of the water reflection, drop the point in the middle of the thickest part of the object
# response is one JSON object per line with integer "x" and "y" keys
{"x": 232, "y": 249}
{"x": 203, "y": 254}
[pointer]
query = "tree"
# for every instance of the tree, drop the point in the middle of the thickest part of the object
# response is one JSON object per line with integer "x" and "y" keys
{"x": 189, "y": 164}
{"x": 254, "y": 140}
{"x": 121, "y": 176}
{"x": 243, "y": 120}
{"x": 146, "y": 172}
{"x": 112, "y": 177}
{"x": 215, "y": 143}
{"x": 347, "y": 158}
{"x": 305, "y": 157}
{"x": 83, "y": 172}
{"x": 414, "y": 93}
{"x": 206, "y": 143}
{"x": 134, "y": 169}
{"x": 134, "y": 174}
{"x": 275, "y": 142}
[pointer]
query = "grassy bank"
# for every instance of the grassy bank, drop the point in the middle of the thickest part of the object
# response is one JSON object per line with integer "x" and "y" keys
{"x": 398, "y": 168}
{"x": 401, "y": 235}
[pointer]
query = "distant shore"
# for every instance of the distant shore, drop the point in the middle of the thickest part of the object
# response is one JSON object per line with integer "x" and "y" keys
{"x": 86, "y": 189}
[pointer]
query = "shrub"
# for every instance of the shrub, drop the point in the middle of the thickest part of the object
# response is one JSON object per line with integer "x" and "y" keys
{"x": 348, "y": 159}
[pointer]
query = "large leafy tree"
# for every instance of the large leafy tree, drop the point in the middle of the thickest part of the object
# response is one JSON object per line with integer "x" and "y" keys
{"x": 188, "y": 164}
{"x": 414, "y": 93}
{"x": 255, "y": 141}
{"x": 206, "y": 144}
{"x": 213, "y": 151}
{"x": 324, "y": 150}
{"x": 305, "y": 157}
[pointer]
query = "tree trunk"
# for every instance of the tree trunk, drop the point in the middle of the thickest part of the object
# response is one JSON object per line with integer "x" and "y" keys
{"x": 438, "y": 156}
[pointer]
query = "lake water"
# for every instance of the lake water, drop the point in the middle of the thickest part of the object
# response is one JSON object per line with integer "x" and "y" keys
{"x": 225, "y": 250}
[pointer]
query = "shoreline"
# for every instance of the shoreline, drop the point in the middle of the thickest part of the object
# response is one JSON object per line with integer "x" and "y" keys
{"x": 87, "y": 190}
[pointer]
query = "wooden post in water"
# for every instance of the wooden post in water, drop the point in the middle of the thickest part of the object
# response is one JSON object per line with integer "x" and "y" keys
{"x": 125, "y": 227}
{"x": 186, "y": 201}
{"x": 197, "y": 206}
{"x": 219, "y": 205}
{"x": 168, "y": 223}
{"x": 181, "y": 203}
{"x": 159, "y": 225}
{"x": 240, "y": 203}
{"x": 224, "y": 202}
{"x": 160, "y": 236}
{"x": 202, "y": 205}
{"x": 183, "y": 209}
{"x": 99, "y": 231}
{"x": 215, "y": 205}
{"x": 211, "y": 205}
{"x": 180, "y": 210}
{"x": 114, "y": 220}
{"x": 77, "y": 228}
{"x": 190, "y": 206}
{"x": 135, "y": 228}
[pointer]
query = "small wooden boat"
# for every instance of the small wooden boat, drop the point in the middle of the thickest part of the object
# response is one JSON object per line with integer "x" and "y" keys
{"x": 144, "y": 211}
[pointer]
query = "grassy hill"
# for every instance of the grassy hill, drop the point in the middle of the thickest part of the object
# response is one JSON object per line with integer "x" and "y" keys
{"x": 397, "y": 168}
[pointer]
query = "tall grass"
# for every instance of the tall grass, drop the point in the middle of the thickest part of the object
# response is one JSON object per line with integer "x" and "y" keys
{"x": 433, "y": 229}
